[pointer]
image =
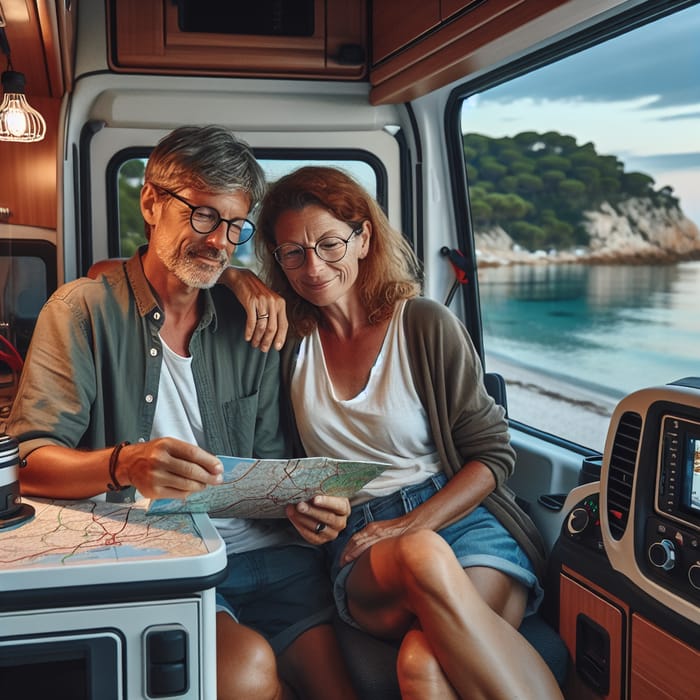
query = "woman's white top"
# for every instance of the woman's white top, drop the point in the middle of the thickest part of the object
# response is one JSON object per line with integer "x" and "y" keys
{"x": 177, "y": 415}
{"x": 385, "y": 422}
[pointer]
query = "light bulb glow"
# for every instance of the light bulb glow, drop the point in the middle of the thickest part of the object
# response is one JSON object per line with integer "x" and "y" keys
{"x": 19, "y": 121}
{"x": 15, "y": 118}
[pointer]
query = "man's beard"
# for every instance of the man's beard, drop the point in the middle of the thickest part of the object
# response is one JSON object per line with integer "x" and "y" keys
{"x": 186, "y": 266}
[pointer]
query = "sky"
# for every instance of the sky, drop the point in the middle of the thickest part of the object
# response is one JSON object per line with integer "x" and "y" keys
{"x": 636, "y": 96}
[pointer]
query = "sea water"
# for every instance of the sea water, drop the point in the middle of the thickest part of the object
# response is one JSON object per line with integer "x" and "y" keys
{"x": 617, "y": 328}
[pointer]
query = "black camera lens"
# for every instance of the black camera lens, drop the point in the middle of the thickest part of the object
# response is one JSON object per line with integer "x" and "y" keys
{"x": 10, "y": 502}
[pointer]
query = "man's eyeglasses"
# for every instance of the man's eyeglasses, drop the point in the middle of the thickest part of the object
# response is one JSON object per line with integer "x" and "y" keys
{"x": 204, "y": 220}
{"x": 330, "y": 249}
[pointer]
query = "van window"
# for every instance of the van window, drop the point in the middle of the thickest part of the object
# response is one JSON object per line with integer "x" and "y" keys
{"x": 130, "y": 180}
{"x": 27, "y": 278}
{"x": 584, "y": 203}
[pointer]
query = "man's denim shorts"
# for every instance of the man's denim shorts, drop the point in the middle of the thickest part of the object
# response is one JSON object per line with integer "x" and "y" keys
{"x": 479, "y": 539}
{"x": 281, "y": 592}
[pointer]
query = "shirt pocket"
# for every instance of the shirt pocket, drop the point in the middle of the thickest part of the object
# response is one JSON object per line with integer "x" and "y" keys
{"x": 240, "y": 418}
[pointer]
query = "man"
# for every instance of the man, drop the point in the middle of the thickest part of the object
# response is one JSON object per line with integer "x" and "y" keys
{"x": 135, "y": 380}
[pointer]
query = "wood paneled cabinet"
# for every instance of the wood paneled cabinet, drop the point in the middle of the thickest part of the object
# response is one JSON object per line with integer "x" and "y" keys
{"x": 638, "y": 659}
{"x": 420, "y": 45}
{"x": 397, "y": 25}
{"x": 594, "y": 631}
{"x": 148, "y": 36}
{"x": 662, "y": 667}
{"x": 28, "y": 193}
{"x": 391, "y": 33}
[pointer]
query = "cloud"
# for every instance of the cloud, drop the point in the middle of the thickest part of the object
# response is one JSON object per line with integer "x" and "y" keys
{"x": 662, "y": 161}
{"x": 684, "y": 115}
{"x": 660, "y": 60}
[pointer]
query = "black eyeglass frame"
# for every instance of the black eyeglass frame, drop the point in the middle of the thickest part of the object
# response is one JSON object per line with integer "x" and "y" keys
{"x": 297, "y": 246}
{"x": 229, "y": 222}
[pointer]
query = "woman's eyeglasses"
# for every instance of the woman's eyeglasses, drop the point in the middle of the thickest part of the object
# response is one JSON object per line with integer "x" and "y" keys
{"x": 204, "y": 220}
{"x": 330, "y": 249}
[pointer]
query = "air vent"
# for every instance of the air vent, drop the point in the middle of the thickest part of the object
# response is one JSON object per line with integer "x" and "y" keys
{"x": 623, "y": 458}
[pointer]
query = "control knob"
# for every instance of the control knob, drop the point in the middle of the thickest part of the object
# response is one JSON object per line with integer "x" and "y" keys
{"x": 694, "y": 576}
{"x": 663, "y": 555}
{"x": 578, "y": 521}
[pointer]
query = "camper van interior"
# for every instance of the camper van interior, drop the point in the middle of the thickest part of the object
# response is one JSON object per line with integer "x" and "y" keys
{"x": 547, "y": 183}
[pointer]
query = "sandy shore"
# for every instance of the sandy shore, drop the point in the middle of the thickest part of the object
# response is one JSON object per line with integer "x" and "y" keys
{"x": 578, "y": 413}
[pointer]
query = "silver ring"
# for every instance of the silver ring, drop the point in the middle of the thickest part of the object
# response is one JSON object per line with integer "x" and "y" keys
{"x": 320, "y": 527}
{"x": 262, "y": 316}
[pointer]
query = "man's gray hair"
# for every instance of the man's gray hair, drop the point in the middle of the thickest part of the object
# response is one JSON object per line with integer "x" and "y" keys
{"x": 208, "y": 158}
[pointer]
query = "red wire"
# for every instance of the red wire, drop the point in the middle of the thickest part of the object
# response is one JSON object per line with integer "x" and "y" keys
{"x": 11, "y": 356}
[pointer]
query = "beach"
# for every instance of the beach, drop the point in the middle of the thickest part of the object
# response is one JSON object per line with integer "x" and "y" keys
{"x": 551, "y": 403}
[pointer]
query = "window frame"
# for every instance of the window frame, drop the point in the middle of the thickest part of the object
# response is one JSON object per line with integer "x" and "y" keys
{"x": 585, "y": 38}
{"x": 334, "y": 156}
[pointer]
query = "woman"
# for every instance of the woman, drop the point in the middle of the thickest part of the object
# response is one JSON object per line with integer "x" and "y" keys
{"x": 376, "y": 372}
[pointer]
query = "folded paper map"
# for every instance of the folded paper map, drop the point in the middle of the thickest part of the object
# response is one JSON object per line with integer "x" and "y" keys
{"x": 261, "y": 488}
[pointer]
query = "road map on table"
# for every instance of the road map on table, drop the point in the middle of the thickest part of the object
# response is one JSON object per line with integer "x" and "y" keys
{"x": 83, "y": 532}
{"x": 260, "y": 488}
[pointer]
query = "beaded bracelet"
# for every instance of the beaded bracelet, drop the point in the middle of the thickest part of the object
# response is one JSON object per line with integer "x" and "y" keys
{"x": 114, "y": 484}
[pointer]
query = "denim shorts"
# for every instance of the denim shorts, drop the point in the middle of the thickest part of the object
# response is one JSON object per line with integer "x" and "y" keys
{"x": 478, "y": 539}
{"x": 281, "y": 592}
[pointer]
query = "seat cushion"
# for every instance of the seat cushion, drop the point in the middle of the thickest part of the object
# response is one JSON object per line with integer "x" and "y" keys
{"x": 372, "y": 661}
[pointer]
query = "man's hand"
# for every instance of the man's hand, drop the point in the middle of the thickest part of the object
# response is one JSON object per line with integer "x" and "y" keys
{"x": 266, "y": 325}
{"x": 320, "y": 519}
{"x": 168, "y": 468}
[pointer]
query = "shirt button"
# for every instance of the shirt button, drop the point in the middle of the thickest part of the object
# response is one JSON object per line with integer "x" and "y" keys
{"x": 156, "y": 315}
{"x": 149, "y": 398}
{"x": 153, "y": 352}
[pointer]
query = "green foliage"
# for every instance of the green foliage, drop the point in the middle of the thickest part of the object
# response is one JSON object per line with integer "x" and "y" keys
{"x": 131, "y": 224}
{"x": 537, "y": 186}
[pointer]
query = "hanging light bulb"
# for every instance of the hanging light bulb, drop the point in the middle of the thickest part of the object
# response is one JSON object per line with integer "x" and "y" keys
{"x": 18, "y": 120}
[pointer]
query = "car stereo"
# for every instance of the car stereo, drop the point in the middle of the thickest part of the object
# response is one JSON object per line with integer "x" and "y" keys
{"x": 678, "y": 476}
{"x": 650, "y": 494}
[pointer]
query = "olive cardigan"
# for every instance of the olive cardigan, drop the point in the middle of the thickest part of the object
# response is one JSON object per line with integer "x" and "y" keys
{"x": 465, "y": 421}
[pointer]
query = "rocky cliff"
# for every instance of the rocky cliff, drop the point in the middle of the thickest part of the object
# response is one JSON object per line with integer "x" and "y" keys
{"x": 633, "y": 231}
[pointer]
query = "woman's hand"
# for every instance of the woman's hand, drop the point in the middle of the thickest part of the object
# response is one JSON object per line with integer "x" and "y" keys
{"x": 320, "y": 519}
{"x": 266, "y": 325}
{"x": 371, "y": 534}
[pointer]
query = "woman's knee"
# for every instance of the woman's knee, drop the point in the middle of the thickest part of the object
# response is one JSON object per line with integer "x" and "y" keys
{"x": 426, "y": 559}
{"x": 246, "y": 664}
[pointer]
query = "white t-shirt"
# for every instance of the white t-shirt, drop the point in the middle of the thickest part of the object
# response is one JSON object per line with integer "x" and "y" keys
{"x": 385, "y": 422}
{"x": 177, "y": 415}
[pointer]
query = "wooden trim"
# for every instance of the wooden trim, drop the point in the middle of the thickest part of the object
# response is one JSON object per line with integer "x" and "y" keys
{"x": 390, "y": 35}
{"x": 29, "y": 191}
{"x": 144, "y": 37}
{"x": 572, "y": 573}
{"x": 462, "y": 46}
{"x": 575, "y": 600}
{"x": 662, "y": 666}
{"x": 48, "y": 28}
{"x": 471, "y": 23}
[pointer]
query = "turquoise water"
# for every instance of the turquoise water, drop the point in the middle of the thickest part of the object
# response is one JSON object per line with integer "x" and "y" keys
{"x": 616, "y": 327}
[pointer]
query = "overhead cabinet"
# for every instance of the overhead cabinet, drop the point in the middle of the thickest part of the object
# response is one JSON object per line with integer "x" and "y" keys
{"x": 420, "y": 45}
{"x": 309, "y": 38}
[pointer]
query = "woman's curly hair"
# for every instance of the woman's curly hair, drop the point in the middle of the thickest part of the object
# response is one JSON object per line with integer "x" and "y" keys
{"x": 389, "y": 272}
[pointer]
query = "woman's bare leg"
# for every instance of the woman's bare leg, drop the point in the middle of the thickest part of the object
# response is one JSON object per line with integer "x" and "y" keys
{"x": 500, "y": 592}
{"x": 420, "y": 675}
{"x": 418, "y": 576}
{"x": 245, "y": 663}
{"x": 314, "y": 667}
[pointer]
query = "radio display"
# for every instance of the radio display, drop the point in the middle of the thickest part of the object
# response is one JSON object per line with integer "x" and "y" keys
{"x": 690, "y": 495}
{"x": 678, "y": 481}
